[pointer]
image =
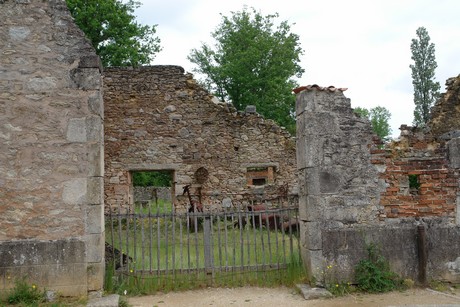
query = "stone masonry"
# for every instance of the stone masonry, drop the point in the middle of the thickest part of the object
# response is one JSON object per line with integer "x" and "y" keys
{"x": 51, "y": 144}
{"x": 352, "y": 193}
{"x": 158, "y": 118}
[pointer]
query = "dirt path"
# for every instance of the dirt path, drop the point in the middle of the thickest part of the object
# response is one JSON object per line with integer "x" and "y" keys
{"x": 286, "y": 297}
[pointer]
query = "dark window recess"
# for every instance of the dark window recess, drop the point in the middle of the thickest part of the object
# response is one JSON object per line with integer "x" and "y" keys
{"x": 414, "y": 183}
{"x": 259, "y": 181}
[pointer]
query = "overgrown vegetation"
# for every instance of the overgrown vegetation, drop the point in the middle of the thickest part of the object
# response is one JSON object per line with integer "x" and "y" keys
{"x": 25, "y": 294}
{"x": 373, "y": 274}
{"x": 136, "y": 284}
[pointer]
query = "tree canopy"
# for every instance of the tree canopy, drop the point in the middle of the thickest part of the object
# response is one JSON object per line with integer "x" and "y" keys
{"x": 113, "y": 31}
{"x": 253, "y": 62}
{"x": 426, "y": 89}
{"x": 379, "y": 118}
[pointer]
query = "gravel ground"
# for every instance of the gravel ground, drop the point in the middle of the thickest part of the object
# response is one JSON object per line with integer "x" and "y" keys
{"x": 287, "y": 297}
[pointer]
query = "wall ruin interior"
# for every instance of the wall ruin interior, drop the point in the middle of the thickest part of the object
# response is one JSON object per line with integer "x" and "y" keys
{"x": 353, "y": 193}
{"x": 158, "y": 118}
{"x": 51, "y": 140}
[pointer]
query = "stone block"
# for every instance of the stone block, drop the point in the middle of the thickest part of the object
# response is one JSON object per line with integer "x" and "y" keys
{"x": 95, "y": 248}
{"x": 76, "y": 130}
{"x": 86, "y": 78}
{"x": 95, "y": 276}
{"x": 95, "y": 160}
{"x": 94, "y": 219}
{"x": 454, "y": 153}
{"x": 310, "y": 293}
{"x": 311, "y": 235}
{"x": 75, "y": 191}
{"x": 90, "y": 61}
{"x": 96, "y": 104}
{"x": 328, "y": 182}
{"x": 94, "y": 129}
{"x": 95, "y": 191}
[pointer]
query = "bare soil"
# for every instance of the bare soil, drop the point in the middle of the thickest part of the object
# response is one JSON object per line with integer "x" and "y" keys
{"x": 287, "y": 297}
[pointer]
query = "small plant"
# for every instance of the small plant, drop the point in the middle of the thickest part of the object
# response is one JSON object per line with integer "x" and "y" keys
{"x": 23, "y": 293}
{"x": 328, "y": 279}
{"x": 374, "y": 275}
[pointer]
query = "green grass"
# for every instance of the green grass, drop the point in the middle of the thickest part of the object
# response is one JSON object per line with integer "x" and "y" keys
{"x": 135, "y": 284}
{"x": 159, "y": 243}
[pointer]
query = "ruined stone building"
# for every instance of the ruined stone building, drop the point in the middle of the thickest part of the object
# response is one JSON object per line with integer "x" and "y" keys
{"x": 71, "y": 137}
{"x": 402, "y": 198}
{"x": 51, "y": 140}
{"x": 158, "y": 118}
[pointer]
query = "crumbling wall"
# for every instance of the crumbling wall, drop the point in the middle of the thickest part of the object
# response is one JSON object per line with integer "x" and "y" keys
{"x": 51, "y": 138}
{"x": 445, "y": 115}
{"x": 158, "y": 118}
{"x": 353, "y": 193}
{"x": 420, "y": 176}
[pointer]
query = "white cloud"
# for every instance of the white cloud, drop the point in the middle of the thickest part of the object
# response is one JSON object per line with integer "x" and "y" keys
{"x": 360, "y": 44}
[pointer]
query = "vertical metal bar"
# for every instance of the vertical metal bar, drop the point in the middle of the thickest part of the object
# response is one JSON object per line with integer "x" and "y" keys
{"x": 157, "y": 216}
{"x": 165, "y": 217}
{"x": 262, "y": 241}
{"x": 226, "y": 239}
{"x": 142, "y": 219}
{"x": 181, "y": 242}
{"x": 248, "y": 236}
{"x": 268, "y": 233}
{"x": 207, "y": 244}
{"x": 127, "y": 235}
{"x": 254, "y": 228}
{"x": 173, "y": 250}
{"x": 283, "y": 232}
{"x": 120, "y": 238}
{"x": 276, "y": 218}
{"x": 219, "y": 241}
{"x": 188, "y": 240}
{"x": 135, "y": 237}
{"x": 112, "y": 236}
{"x": 240, "y": 227}
{"x": 197, "y": 252}
{"x": 150, "y": 238}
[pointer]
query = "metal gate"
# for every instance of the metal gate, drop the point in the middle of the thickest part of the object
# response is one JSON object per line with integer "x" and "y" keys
{"x": 150, "y": 240}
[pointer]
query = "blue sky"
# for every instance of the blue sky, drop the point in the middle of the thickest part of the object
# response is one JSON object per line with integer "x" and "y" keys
{"x": 358, "y": 44}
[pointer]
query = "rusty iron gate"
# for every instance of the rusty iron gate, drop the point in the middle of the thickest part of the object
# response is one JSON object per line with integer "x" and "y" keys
{"x": 148, "y": 238}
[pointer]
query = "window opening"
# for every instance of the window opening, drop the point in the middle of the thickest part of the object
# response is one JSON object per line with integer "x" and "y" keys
{"x": 414, "y": 183}
{"x": 155, "y": 188}
{"x": 259, "y": 176}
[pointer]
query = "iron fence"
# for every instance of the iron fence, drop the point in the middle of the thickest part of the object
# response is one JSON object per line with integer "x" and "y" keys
{"x": 148, "y": 238}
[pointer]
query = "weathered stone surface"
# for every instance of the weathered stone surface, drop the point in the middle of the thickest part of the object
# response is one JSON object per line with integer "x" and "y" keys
{"x": 310, "y": 293}
{"x": 50, "y": 146}
{"x": 157, "y": 118}
{"x": 353, "y": 193}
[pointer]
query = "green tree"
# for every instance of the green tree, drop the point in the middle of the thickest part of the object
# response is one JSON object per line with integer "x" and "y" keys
{"x": 253, "y": 62}
{"x": 426, "y": 89}
{"x": 152, "y": 179}
{"x": 379, "y": 118}
{"x": 113, "y": 31}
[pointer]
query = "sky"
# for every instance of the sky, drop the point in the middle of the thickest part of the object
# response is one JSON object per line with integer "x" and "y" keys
{"x": 362, "y": 45}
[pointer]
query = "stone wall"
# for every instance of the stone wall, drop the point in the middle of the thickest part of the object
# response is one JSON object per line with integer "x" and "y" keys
{"x": 51, "y": 134}
{"x": 152, "y": 193}
{"x": 353, "y": 193}
{"x": 158, "y": 118}
{"x": 425, "y": 160}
